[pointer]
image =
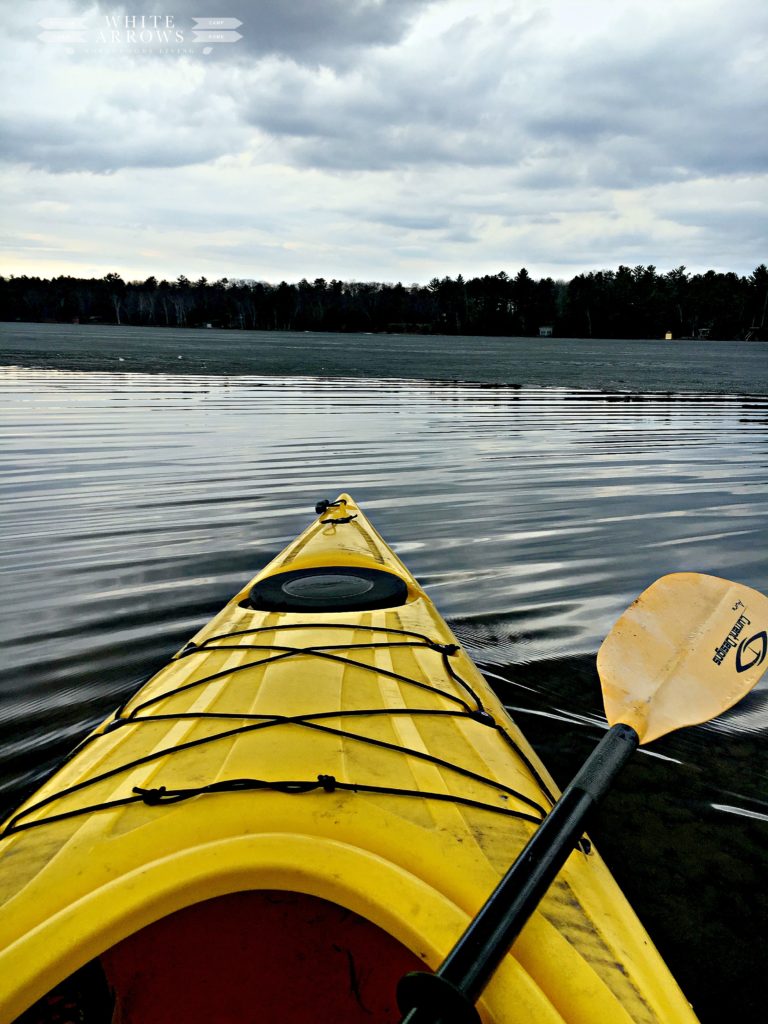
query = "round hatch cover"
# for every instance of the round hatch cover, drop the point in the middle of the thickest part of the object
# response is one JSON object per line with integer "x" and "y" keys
{"x": 331, "y": 588}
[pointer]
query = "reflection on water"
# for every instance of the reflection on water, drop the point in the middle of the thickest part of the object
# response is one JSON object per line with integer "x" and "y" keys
{"x": 134, "y": 506}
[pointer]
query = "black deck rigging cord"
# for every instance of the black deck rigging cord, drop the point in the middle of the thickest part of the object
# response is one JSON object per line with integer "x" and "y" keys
{"x": 327, "y": 783}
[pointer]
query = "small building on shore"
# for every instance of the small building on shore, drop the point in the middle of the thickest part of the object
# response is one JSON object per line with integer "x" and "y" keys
{"x": 545, "y": 332}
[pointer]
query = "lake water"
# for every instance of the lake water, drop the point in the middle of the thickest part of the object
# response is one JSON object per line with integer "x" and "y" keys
{"x": 134, "y": 505}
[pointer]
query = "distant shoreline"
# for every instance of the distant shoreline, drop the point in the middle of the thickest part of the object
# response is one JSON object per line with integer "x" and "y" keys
{"x": 629, "y": 302}
{"x": 635, "y": 366}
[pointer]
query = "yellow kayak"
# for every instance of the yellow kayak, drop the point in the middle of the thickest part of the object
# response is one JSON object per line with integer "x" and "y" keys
{"x": 314, "y": 797}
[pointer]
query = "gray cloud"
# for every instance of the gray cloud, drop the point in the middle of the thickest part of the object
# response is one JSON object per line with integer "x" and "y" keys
{"x": 620, "y": 113}
{"x": 46, "y": 144}
{"x": 412, "y": 221}
{"x": 398, "y": 139}
{"x": 319, "y": 31}
{"x": 746, "y": 221}
{"x": 682, "y": 110}
{"x": 489, "y": 90}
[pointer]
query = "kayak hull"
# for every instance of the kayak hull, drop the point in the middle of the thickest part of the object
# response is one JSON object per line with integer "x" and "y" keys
{"x": 352, "y": 757}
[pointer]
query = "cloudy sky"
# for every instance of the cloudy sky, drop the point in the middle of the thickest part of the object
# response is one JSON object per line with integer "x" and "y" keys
{"x": 383, "y": 139}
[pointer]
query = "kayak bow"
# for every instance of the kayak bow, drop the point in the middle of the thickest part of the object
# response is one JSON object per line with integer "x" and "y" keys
{"x": 314, "y": 797}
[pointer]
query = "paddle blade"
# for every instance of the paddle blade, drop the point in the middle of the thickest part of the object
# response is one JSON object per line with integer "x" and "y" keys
{"x": 689, "y": 648}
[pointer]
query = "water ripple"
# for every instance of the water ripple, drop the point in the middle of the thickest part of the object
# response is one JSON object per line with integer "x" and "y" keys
{"x": 133, "y": 506}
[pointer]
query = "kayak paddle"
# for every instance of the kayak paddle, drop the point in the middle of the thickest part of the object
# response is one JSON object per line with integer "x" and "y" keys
{"x": 685, "y": 651}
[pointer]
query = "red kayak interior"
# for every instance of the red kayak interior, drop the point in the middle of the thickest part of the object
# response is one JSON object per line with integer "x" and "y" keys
{"x": 246, "y": 958}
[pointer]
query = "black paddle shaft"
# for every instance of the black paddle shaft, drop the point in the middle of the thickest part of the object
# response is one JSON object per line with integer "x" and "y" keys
{"x": 448, "y": 997}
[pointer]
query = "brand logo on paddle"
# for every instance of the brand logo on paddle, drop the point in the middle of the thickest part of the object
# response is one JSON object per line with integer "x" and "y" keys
{"x": 731, "y": 640}
{"x": 752, "y": 651}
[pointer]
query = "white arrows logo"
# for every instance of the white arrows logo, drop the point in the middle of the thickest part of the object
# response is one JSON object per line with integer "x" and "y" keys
{"x": 126, "y": 30}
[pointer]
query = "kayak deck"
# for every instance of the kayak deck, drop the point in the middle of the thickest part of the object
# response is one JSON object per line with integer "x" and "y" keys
{"x": 326, "y": 762}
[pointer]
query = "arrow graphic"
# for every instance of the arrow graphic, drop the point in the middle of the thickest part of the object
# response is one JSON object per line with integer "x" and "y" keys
{"x": 211, "y": 36}
{"x": 217, "y": 23}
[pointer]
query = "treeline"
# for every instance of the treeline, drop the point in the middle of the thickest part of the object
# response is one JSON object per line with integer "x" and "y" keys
{"x": 631, "y": 302}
